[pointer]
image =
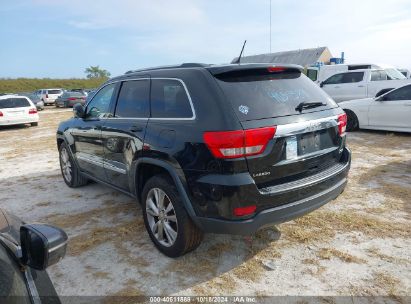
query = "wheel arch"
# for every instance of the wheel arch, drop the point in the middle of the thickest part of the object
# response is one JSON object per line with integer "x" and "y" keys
{"x": 346, "y": 110}
{"x": 145, "y": 168}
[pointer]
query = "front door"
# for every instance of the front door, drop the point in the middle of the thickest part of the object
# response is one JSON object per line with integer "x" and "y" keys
{"x": 88, "y": 147}
{"x": 123, "y": 134}
{"x": 392, "y": 109}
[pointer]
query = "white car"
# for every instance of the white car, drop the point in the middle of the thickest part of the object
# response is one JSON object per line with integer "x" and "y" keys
{"x": 17, "y": 110}
{"x": 391, "y": 111}
{"x": 49, "y": 96}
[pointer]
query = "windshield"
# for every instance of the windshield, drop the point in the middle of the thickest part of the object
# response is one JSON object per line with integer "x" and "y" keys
{"x": 259, "y": 94}
{"x": 394, "y": 74}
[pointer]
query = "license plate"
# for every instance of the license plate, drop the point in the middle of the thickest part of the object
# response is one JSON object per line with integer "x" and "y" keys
{"x": 291, "y": 148}
{"x": 310, "y": 143}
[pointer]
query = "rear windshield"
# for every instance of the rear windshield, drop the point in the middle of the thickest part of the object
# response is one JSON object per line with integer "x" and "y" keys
{"x": 53, "y": 91}
{"x": 257, "y": 94}
{"x": 14, "y": 103}
{"x": 73, "y": 94}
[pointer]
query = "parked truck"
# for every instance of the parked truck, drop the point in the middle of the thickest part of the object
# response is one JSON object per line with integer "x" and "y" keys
{"x": 363, "y": 83}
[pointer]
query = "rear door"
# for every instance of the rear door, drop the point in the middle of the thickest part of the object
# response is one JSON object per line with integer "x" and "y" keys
{"x": 304, "y": 143}
{"x": 392, "y": 110}
{"x": 123, "y": 134}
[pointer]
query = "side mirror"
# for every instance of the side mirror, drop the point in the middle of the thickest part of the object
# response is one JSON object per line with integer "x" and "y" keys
{"x": 42, "y": 245}
{"x": 321, "y": 84}
{"x": 78, "y": 110}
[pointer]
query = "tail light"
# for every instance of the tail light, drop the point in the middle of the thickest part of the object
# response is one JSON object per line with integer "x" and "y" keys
{"x": 1, "y": 114}
{"x": 342, "y": 124}
{"x": 71, "y": 98}
{"x": 239, "y": 143}
{"x": 241, "y": 211}
{"x": 32, "y": 111}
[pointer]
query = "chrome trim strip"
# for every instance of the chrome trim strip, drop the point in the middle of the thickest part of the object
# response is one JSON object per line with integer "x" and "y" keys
{"x": 58, "y": 246}
{"x": 35, "y": 298}
{"x": 306, "y": 126}
{"x": 102, "y": 164}
{"x": 150, "y": 78}
{"x": 305, "y": 182}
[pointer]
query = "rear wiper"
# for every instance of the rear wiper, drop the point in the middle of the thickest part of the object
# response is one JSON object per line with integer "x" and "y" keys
{"x": 308, "y": 105}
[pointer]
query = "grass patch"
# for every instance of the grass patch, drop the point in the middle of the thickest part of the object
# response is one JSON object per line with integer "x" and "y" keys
{"x": 328, "y": 253}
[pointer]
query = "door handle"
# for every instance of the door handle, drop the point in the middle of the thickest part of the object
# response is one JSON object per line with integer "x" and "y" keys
{"x": 136, "y": 129}
{"x": 360, "y": 86}
{"x": 336, "y": 87}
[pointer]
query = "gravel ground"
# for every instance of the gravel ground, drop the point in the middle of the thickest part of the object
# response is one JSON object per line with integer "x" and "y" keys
{"x": 358, "y": 244}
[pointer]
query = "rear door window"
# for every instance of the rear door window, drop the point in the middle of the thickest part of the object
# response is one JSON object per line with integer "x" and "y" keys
{"x": 257, "y": 94}
{"x": 352, "y": 77}
{"x": 169, "y": 99}
{"x": 133, "y": 100}
{"x": 14, "y": 103}
{"x": 403, "y": 93}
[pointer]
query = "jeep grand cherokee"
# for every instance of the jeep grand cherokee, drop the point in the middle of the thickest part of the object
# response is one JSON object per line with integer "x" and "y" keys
{"x": 209, "y": 148}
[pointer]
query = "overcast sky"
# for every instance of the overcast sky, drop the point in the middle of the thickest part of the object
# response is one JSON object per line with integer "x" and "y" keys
{"x": 60, "y": 38}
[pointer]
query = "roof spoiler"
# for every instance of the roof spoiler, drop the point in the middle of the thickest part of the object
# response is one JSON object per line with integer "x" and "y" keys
{"x": 254, "y": 66}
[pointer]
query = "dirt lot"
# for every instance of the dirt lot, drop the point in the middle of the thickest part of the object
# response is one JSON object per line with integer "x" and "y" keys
{"x": 358, "y": 244}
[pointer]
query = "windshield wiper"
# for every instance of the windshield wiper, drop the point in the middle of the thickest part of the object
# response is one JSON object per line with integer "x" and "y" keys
{"x": 308, "y": 105}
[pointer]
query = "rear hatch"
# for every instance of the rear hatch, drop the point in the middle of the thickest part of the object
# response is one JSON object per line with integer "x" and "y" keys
{"x": 306, "y": 140}
{"x": 15, "y": 108}
{"x": 53, "y": 94}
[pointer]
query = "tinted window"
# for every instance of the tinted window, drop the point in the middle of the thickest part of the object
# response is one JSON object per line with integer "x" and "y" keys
{"x": 169, "y": 99}
{"x": 378, "y": 75}
{"x": 352, "y": 77}
{"x": 100, "y": 104}
{"x": 337, "y": 78}
{"x": 73, "y": 94}
{"x": 133, "y": 100}
{"x": 403, "y": 93}
{"x": 14, "y": 103}
{"x": 312, "y": 74}
{"x": 53, "y": 92}
{"x": 257, "y": 94}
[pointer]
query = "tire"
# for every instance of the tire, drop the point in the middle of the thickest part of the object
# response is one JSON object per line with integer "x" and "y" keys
{"x": 352, "y": 121}
{"x": 71, "y": 173}
{"x": 181, "y": 236}
{"x": 34, "y": 124}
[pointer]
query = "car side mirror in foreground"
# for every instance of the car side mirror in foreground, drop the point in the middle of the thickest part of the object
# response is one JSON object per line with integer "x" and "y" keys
{"x": 42, "y": 245}
{"x": 321, "y": 84}
{"x": 78, "y": 110}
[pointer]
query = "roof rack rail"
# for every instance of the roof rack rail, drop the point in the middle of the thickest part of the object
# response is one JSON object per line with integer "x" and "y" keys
{"x": 183, "y": 65}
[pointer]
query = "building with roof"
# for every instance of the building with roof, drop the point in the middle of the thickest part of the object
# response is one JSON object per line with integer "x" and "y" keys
{"x": 303, "y": 57}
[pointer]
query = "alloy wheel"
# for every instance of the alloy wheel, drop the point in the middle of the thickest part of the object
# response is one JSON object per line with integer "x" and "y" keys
{"x": 66, "y": 165}
{"x": 161, "y": 217}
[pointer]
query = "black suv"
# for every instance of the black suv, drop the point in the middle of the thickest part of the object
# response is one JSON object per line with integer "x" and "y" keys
{"x": 210, "y": 148}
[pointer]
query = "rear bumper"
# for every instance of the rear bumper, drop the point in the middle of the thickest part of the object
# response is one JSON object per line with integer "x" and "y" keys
{"x": 272, "y": 216}
{"x": 19, "y": 121}
{"x": 323, "y": 188}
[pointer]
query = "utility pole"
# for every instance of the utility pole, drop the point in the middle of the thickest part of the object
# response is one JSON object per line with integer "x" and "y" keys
{"x": 270, "y": 26}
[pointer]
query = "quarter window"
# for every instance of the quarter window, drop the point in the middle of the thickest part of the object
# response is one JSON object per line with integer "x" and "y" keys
{"x": 169, "y": 99}
{"x": 312, "y": 74}
{"x": 133, "y": 100}
{"x": 99, "y": 106}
